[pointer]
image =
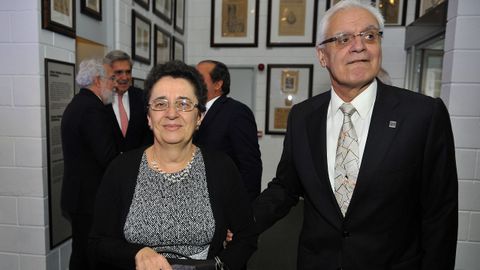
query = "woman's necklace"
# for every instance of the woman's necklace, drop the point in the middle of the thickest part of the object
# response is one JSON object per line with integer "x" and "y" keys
{"x": 175, "y": 176}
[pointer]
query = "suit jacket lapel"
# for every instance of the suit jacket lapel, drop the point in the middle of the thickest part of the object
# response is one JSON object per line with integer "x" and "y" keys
{"x": 383, "y": 127}
{"x": 213, "y": 111}
{"x": 317, "y": 130}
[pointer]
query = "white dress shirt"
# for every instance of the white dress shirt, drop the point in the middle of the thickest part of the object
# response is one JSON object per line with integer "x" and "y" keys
{"x": 126, "y": 105}
{"x": 363, "y": 104}
{"x": 210, "y": 103}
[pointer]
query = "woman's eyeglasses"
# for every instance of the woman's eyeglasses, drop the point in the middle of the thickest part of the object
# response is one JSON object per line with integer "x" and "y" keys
{"x": 181, "y": 105}
{"x": 345, "y": 39}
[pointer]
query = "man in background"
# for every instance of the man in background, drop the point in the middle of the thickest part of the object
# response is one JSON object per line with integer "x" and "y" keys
{"x": 128, "y": 107}
{"x": 88, "y": 147}
{"x": 229, "y": 126}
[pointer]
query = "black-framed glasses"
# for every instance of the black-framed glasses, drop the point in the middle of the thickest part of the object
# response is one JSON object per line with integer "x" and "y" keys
{"x": 345, "y": 39}
{"x": 181, "y": 104}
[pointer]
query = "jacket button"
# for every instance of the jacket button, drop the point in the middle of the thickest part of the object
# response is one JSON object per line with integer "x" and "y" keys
{"x": 346, "y": 234}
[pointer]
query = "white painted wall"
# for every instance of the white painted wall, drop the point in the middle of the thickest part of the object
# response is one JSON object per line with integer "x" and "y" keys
{"x": 461, "y": 92}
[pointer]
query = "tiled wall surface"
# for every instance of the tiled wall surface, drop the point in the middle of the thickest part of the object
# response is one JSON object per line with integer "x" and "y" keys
{"x": 461, "y": 90}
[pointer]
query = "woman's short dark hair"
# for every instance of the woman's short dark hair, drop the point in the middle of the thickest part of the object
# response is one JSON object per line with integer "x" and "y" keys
{"x": 178, "y": 69}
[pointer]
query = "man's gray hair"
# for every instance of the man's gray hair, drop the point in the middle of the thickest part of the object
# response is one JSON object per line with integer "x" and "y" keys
{"x": 89, "y": 70}
{"x": 343, "y": 5}
{"x": 117, "y": 55}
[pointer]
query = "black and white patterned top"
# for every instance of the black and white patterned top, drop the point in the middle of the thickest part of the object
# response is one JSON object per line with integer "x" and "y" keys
{"x": 172, "y": 210}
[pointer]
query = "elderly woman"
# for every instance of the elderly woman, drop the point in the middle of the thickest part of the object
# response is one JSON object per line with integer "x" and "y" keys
{"x": 171, "y": 195}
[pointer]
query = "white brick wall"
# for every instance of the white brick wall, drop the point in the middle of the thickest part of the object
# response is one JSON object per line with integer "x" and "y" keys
{"x": 461, "y": 85}
{"x": 24, "y": 242}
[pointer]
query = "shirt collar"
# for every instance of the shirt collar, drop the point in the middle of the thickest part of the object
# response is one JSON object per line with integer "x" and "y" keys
{"x": 362, "y": 103}
{"x": 210, "y": 103}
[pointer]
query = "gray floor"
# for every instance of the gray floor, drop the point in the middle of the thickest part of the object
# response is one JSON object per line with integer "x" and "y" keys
{"x": 277, "y": 247}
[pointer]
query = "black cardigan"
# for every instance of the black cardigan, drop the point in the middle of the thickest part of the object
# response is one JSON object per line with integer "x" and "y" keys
{"x": 229, "y": 201}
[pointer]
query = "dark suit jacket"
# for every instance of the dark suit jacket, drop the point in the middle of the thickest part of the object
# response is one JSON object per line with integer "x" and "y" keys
{"x": 88, "y": 147}
{"x": 138, "y": 132}
{"x": 230, "y": 205}
{"x": 229, "y": 126}
{"x": 403, "y": 212}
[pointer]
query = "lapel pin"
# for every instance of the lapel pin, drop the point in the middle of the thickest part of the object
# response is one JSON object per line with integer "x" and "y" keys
{"x": 392, "y": 124}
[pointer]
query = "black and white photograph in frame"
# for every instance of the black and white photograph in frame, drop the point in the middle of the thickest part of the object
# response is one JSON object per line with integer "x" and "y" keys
{"x": 163, "y": 9}
{"x": 162, "y": 46}
{"x": 178, "y": 49}
{"x": 141, "y": 38}
{"x": 394, "y": 12}
{"x": 179, "y": 18}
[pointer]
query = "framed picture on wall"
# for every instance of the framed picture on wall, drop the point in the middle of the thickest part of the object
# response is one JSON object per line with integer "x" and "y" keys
{"x": 425, "y": 6}
{"x": 163, "y": 9}
{"x": 179, "y": 19}
{"x": 143, "y": 3}
{"x": 141, "y": 37}
{"x": 234, "y": 23}
{"x": 92, "y": 8}
{"x": 59, "y": 16}
{"x": 59, "y": 91}
{"x": 291, "y": 23}
{"x": 394, "y": 12}
{"x": 287, "y": 85}
{"x": 331, "y": 3}
{"x": 178, "y": 49}
{"x": 163, "y": 42}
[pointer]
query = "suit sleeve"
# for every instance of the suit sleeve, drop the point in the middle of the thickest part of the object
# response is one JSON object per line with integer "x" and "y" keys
{"x": 284, "y": 190}
{"x": 244, "y": 140}
{"x": 98, "y": 131}
{"x": 439, "y": 193}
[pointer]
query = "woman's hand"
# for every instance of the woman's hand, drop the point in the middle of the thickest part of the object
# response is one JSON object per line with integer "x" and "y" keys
{"x": 149, "y": 259}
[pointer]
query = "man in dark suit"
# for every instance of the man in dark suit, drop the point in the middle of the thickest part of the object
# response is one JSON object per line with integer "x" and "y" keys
{"x": 127, "y": 110}
{"x": 229, "y": 126}
{"x": 374, "y": 163}
{"x": 88, "y": 147}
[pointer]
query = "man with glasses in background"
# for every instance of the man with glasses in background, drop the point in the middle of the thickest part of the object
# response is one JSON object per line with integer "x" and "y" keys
{"x": 374, "y": 163}
{"x": 88, "y": 147}
{"x": 128, "y": 107}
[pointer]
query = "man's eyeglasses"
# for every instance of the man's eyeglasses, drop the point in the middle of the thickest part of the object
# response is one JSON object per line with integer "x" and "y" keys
{"x": 343, "y": 40}
{"x": 121, "y": 72}
{"x": 181, "y": 104}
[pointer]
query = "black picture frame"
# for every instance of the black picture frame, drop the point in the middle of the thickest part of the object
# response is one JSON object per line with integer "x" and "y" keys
{"x": 244, "y": 32}
{"x": 59, "y": 91}
{"x": 141, "y": 38}
{"x": 179, "y": 18}
{"x": 287, "y": 85}
{"x": 394, "y": 14}
{"x": 163, "y": 9}
{"x": 161, "y": 39}
{"x": 291, "y": 25}
{"x": 425, "y": 6}
{"x": 60, "y": 19}
{"x": 91, "y": 11}
{"x": 178, "y": 49}
{"x": 143, "y": 3}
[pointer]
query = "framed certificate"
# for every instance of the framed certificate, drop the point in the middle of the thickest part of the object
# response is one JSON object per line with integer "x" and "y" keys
{"x": 234, "y": 23}
{"x": 292, "y": 23}
{"x": 287, "y": 85}
{"x": 141, "y": 38}
{"x": 59, "y": 16}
